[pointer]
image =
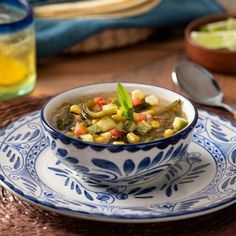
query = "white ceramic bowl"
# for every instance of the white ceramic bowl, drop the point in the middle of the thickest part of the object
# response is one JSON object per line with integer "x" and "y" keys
{"x": 118, "y": 164}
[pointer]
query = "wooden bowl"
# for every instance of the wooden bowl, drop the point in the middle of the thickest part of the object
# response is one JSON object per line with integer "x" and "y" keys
{"x": 214, "y": 60}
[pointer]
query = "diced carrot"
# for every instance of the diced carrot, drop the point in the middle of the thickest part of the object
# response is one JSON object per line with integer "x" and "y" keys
{"x": 80, "y": 129}
{"x": 136, "y": 101}
{"x": 100, "y": 101}
{"x": 115, "y": 133}
{"x": 140, "y": 117}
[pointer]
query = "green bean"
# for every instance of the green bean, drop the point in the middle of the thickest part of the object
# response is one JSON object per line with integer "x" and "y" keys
{"x": 142, "y": 107}
{"x": 62, "y": 117}
{"x": 99, "y": 114}
{"x": 174, "y": 106}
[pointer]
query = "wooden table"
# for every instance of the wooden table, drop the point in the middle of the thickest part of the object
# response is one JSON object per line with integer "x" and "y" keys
{"x": 150, "y": 62}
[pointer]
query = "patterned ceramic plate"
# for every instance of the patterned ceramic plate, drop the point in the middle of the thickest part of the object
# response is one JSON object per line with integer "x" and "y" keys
{"x": 202, "y": 182}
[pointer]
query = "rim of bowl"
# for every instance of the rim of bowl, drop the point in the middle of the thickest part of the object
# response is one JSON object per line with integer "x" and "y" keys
{"x": 205, "y": 20}
{"x": 188, "y": 128}
{"x": 23, "y": 22}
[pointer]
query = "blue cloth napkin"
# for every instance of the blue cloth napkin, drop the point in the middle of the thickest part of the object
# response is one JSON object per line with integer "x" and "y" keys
{"x": 54, "y": 36}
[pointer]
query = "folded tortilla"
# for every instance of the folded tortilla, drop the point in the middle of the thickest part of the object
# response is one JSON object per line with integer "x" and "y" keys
{"x": 95, "y": 9}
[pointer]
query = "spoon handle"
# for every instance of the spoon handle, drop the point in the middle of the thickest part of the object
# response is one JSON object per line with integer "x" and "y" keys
{"x": 228, "y": 108}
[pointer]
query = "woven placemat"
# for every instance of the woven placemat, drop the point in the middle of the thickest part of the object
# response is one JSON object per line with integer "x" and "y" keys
{"x": 111, "y": 39}
{"x": 18, "y": 217}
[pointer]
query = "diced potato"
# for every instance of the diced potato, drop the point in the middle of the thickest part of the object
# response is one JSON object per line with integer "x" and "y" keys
{"x": 87, "y": 137}
{"x": 106, "y": 123}
{"x": 119, "y": 125}
{"x": 152, "y": 100}
{"x": 132, "y": 138}
{"x": 109, "y": 107}
{"x": 138, "y": 94}
{"x": 168, "y": 133}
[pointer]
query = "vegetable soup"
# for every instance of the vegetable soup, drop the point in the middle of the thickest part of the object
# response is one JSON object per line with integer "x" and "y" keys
{"x": 120, "y": 117}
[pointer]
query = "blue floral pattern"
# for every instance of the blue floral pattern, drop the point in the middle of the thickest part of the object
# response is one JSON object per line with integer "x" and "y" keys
{"x": 120, "y": 168}
{"x": 201, "y": 180}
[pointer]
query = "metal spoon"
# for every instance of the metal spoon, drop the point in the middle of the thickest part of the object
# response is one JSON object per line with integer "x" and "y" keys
{"x": 199, "y": 85}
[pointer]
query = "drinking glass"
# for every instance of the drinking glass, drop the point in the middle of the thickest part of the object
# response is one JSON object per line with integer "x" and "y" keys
{"x": 17, "y": 49}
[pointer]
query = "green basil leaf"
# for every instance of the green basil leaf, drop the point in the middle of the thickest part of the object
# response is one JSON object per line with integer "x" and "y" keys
{"x": 125, "y": 101}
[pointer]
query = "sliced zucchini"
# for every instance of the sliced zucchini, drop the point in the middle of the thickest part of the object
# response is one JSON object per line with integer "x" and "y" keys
{"x": 179, "y": 123}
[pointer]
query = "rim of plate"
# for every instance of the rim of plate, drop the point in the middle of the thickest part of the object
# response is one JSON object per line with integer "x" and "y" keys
{"x": 118, "y": 218}
{"x": 109, "y": 218}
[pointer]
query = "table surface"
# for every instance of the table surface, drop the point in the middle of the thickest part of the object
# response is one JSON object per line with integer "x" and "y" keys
{"x": 150, "y": 62}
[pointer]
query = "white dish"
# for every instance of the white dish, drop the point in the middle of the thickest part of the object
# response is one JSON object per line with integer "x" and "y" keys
{"x": 123, "y": 164}
{"x": 202, "y": 182}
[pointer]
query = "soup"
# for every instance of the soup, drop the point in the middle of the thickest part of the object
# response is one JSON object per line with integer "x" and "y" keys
{"x": 120, "y": 117}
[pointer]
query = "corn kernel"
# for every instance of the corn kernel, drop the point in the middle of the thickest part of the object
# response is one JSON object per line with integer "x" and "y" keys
{"x": 100, "y": 139}
{"x": 168, "y": 133}
{"x": 119, "y": 112}
{"x": 75, "y": 109}
{"x": 117, "y": 117}
{"x": 132, "y": 138}
{"x": 118, "y": 142}
{"x": 155, "y": 124}
{"x": 151, "y": 112}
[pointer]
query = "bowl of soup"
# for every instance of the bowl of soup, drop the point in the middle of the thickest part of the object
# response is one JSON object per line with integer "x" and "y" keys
{"x": 119, "y": 133}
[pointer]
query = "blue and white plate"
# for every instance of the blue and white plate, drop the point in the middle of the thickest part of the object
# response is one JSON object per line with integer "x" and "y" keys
{"x": 203, "y": 181}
